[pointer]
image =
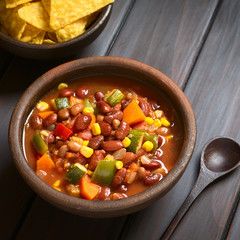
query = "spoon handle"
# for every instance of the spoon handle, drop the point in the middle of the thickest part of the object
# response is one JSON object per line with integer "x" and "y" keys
{"x": 200, "y": 184}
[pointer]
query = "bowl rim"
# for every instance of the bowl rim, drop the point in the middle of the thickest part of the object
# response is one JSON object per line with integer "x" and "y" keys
{"x": 99, "y": 21}
{"x": 101, "y": 208}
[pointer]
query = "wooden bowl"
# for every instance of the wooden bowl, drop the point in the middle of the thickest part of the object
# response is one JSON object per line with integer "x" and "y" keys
{"x": 57, "y": 50}
{"x": 93, "y": 66}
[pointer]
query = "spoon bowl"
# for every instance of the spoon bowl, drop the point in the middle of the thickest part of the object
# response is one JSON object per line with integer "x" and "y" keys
{"x": 219, "y": 156}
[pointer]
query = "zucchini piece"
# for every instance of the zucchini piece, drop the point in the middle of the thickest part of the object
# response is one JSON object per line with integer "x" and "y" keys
{"x": 62, "y": 103}
{"x": 75, "y": 173}
{"x": 136, "y": 136}
{"x": 104, "y": 172}
{"x": 114, "y": 97}
{"x": 39, "y": 143}
{"x": 88, "y": 104}
{"x": 152, "y": 138}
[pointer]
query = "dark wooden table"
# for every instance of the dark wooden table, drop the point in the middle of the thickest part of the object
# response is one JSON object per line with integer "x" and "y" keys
{"x": 194, "y": 42}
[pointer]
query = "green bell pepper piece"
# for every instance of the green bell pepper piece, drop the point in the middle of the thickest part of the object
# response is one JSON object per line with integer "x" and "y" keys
{"x": 104, "y": 172}
{"x": 87, "y": 103}
{"x": 114, "y": 97}
{"x": 39, "y": 144}
{"x": 62, "y": 103}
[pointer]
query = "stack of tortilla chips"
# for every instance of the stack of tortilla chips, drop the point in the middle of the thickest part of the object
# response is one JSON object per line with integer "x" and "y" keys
{"x": 48, "y": 21}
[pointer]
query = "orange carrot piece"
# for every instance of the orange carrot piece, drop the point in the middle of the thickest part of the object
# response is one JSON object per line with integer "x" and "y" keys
{"x": 45, "y": 163}
{"x": 73, "y": 100}
{"x": 88, "y": 189}
{"x": 133, "y": 113}
{"x": 44, "y": 115}
{"x": 93, "y": 120}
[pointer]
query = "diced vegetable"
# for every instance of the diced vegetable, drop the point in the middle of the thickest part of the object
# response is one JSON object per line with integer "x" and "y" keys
{"x": 87, "y": 104}
{"x": 157, "y": 123}
{"x": 39, "y": 143}
{"x": 152, "y": 138}
{"x": 41, "y": 106}
{"x": 75, "y": 173}
{"x": 62, "y": 103}
{"x": 44, "y": 115}
{"x": 147, "y": 146}
{"x": 133, "y": 113}
{"x": 62, "y": 86}
{"x": 86, "y": 151}
{"x": 165, "y": 122}
{"x": 88, "y": 189}
{"x": 136, "y": 140}
{"x": 44, "y": 163}
{"x": 73, "y": 100}
{"x": 126, "y": 142}
{"x": 148, "y": 120}
{"x": 96, "y": 130}
{"x": 62, "y": 132}
{"x": 114, "y": 97}
{"x": 104, "y": 172}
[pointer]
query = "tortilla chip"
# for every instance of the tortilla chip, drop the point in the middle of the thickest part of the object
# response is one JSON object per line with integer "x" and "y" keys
{"x": 64, "y": 12}
{"x": 15, "y": 3}
{"x": 29, "y": 33}
{"x": 48, "y": 41}
{"x": 47, "y": 5}
{"x": 72, "y": 30}
{"x": 39, "y": 38}
{"x": 11, "y": 21}
{"x": 36, "y": 15}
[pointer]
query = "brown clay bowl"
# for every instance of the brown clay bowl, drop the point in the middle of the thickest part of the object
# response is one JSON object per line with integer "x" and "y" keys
{"x": 108, "y": 66}
{"x": 57, "y": 50}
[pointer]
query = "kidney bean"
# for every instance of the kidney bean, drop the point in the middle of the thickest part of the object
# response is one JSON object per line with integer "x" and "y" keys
{"x": 151, "y": 165}
{"x": 62, "y": 151}
{"x": 86, "y": 134}
{"x": 82, "y": 122}
{"x": 99, "y": 96}
{"x": 104, "y": 193}
{"x": 162, "y": 131}
{"x": 141, "y": 172}
{"x": 76, "y": 109}
{"x": 63, "y": 114}
{"x": 95, "y": 142}
{"x": 36, "y": 122}
{"x": 73, "y": 146}
{"x": 150, "y": 179}
{"x": 128, "y": 158}
{"x": 114, "y": 115}
{"x": 50, "y": 138}
{"x": 144, "y": 106}
{"x": 104, "y": 107}
{"x": 115, "y": 123}
{"x": 122, "y": 131}
{"x": 99, "y": 117}
{"x": 106, "y": 128}
{"x": 51, "y": 119}
{"x": 82, "y": 92}
{"x": 67, "y": 92}
{"x": 119, "y": 177}
{"x": 124, "y": 103}
{"x": 112, "y": 145}
{"x": 81, "y": 159}
{"x": 95, "y": 158}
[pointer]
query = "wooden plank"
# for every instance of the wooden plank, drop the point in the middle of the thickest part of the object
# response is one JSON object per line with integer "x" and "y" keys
{"x": 167, "y": 35}
{"x": 51, "y": 223}
{"x": 234, "y": 231}
{"x": 214, "y": 92}
{"x": 18, "y": 75}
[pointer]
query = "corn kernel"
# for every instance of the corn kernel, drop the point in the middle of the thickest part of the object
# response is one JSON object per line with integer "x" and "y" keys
{"x": 57, "y": 188}
{"x": 109, "y": 157}
{"x": 62, "y": 86}
{"x": 165, "y": 122}
{"x": 54, "y": 104}
{"x": 41, "y": 106}
{"x": 86, "y": 151}
{"x": 57, "y": 183}
{"x": 77, "y": 139}
{"x": 157, "y": 123}
{"x": 90, "y": 173}
{"x": 86, "y": 165}
{"x": 169, "y": 137}
{"x": 85, "y": 143}
{"x": 147, "y": 146}
{"x": 96, "y": 130}
{"x": 126, "y": 142}
{"x": 87, "y": 110}
{"x": 158, "y": 113}
{"x": 44, "y": 133}
{"x": 137, "y": 101}
{"x": 119, "y": 164}
{"x": 148, "y": 120}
